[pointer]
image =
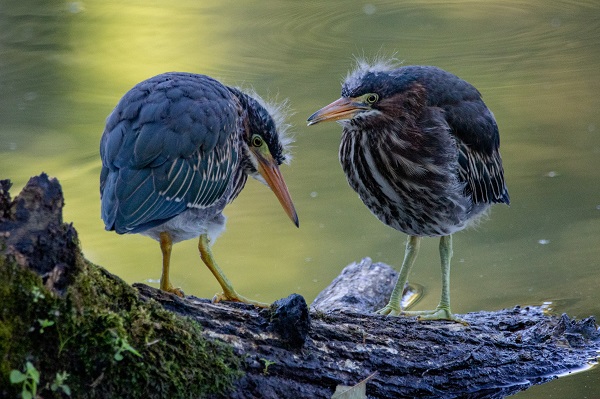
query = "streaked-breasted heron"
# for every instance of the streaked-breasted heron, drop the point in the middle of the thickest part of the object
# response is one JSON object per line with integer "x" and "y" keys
{"x": 176, "y": 150}
{"x": 421, "y": 149}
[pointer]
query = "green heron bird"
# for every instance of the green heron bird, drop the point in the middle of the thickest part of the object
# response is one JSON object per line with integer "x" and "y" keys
{"x": 421, "y": 149}
{"x": 176, "y": 150}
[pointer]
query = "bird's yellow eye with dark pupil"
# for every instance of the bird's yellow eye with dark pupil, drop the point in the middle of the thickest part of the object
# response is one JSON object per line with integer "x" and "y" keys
{"x": 372, "y": 98}
{"x": 257, "y": 141}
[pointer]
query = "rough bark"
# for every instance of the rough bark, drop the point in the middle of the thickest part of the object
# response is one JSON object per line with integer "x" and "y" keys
{"x": 498, "y": 354}
{"x": 291, "y": 352}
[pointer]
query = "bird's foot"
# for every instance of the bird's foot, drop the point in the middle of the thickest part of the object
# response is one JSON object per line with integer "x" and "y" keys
{"x": 173, "y": 290}
{"x": 235, "y": 297}
{"x": 390, "y": 310}
{"x": 439, "y": 313}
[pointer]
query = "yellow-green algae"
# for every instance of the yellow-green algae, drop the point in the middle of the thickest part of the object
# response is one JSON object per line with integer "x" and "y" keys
{"x": 97, "y": 314}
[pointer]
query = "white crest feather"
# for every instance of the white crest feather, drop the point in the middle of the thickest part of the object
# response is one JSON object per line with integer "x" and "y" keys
{"x": 280, "y": 111}
{"x": 379, "y": 63}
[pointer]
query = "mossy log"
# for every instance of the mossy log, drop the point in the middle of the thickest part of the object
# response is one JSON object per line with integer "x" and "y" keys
{"x": 64, "y": 314}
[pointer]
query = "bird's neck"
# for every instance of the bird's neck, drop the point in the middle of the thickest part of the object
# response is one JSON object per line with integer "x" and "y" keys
{"x": 399, "y": 147}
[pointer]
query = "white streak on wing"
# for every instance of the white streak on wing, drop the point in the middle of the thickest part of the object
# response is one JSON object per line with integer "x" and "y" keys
{"x": 146, "y": 211}
{"x": 201, "y": 196}
{"x": 199, "y": 192}
{"x": 138, "y": 187}
{"x": 216, "y": 176}
{"x": 206, "y": 188}
{"x": 206, "y": 191}
{"x": 172, "y": 179}
{"x": 171, "y": 169}
{"x": 187, "y": 178}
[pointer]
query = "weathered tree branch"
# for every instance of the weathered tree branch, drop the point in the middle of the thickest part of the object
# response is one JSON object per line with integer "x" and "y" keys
{"x": 289, "y": 352}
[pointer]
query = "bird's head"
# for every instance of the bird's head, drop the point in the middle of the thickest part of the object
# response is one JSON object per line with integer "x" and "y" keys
{"x": 372, "y": 94}
{"x": 267, "y": 145}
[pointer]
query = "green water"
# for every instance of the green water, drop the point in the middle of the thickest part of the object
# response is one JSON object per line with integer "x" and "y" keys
{"x": 64, "y": 65}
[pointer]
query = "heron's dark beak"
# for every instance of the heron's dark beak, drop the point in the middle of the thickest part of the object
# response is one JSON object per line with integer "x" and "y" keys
{"x": 269, "y": 170}
{"x": 343, "y": 108}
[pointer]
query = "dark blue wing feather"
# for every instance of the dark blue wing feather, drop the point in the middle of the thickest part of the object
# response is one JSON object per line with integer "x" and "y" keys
{"x": 167, "y": 146}
{"x": 473, "y": 126}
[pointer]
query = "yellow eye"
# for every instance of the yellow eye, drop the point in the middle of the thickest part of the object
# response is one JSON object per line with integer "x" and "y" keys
{"x": 371, "y": 98}
{"x": 256, "y": 140}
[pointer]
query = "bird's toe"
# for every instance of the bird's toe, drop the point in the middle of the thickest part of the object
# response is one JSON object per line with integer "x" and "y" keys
{"x": 219, "y": 298}
{"x": 439, "y": 314}
{"x": 389, "y": 310}
{"x": 175, "y": 290}
{"x": 238, "y": 298}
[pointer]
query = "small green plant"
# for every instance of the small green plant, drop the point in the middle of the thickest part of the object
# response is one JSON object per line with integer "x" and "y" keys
{"x": 59, "y": 383}
{"x": 45, "y": 323}
{"x": 29, "y": 380}
{"x": 267, "y": 364}
{"x": 121, "y": 345}
{"x": 62, "y": 340}
{"x": 37, "y": 294}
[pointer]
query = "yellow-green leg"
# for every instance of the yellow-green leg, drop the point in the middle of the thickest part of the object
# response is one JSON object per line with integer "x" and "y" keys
{"x": 394, "y": 307}
{"x": 442, "y": 312}
{"x": 229, "y": 294}
{"x": 166, "y": 244}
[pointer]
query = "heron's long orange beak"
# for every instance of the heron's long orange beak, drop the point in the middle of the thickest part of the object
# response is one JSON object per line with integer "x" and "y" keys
{"x": 270, "y": 172}
{"x": 342, "y": 108}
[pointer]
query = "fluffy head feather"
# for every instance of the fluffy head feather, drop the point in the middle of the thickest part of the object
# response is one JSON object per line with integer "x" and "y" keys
{"x": 280, "y": 112}
{"x": 363, "y": 66}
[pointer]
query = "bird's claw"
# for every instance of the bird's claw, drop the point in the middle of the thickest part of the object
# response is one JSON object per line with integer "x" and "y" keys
{"x": 175, "y": 290}
{"x": 440, "y": 313}
{"x": 238, "y": 298}
{"x": 219, "y": 297}
{"x": 389, "y": 310}
{"x": 222, "y": 297}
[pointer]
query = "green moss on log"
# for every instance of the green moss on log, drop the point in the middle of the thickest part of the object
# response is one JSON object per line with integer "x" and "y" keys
{"x": 109, "y": 342}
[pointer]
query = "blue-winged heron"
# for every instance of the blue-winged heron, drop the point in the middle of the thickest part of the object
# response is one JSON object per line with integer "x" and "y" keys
{"x": 176, "y": 150}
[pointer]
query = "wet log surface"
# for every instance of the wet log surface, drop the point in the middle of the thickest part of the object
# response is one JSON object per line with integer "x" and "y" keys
{"x": 291, "y": 352}
{"x": 498, "y": 354}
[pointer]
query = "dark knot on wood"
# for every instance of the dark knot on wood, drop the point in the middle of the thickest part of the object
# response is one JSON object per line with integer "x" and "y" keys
{"x": 290, "y": 320}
